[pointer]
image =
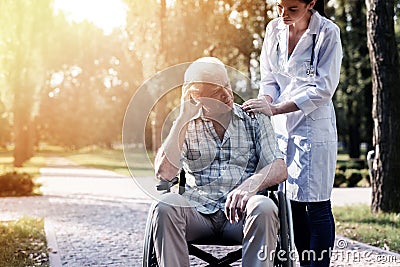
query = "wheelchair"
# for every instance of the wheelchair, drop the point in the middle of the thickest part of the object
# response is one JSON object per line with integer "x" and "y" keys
{"x": 284, "y": 252}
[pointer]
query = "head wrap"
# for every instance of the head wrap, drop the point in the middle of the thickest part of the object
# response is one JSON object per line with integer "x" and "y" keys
{"x": 207, "y": 70}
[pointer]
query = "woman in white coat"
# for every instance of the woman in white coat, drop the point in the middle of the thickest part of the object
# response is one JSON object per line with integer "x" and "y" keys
{"x": 300, "y": 68}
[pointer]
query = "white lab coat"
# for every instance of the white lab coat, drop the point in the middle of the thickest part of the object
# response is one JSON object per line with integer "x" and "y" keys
{"x": 307, "y": 137}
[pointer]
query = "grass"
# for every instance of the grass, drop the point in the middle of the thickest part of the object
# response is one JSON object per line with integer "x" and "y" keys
{"x": 32, "y": 166}
{"x": 23, "y": 243}
{"x": 115, "y": 160}
{"x": 358, "y": 223}
{"x": 140, "y": 164}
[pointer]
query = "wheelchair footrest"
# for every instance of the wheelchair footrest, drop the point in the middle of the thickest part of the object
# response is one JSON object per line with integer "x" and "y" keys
{"x": 211, "y": 259}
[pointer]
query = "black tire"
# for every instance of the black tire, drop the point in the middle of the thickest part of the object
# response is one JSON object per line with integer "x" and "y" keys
{"x": 292, "y": 255}
{"x": 284, "y": 249}
{"x": 149, "y": 255}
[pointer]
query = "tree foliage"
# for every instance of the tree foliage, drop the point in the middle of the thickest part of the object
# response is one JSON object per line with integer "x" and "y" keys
{"x": 66, "y": 83}
{"x": 353, "y": 99}
{"x": 25, "y": 29}
{"x": 87, "y": 94}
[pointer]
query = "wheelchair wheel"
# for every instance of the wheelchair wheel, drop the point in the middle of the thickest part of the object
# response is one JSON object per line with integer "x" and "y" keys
{"x": 284, "y": 254}
{"x": 149, "y": 254}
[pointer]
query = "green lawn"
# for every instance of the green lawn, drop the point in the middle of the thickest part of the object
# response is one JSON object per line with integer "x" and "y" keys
{"x": 115, "y": 160}
{"x": 32, "y": 166}
{"x": 358, "y": 223}
{"x": 109, "y": 159}
{"x": 23, "y": 243}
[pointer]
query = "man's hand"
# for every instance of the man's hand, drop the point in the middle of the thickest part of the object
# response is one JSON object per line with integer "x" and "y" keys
{"x": 237, "y": 199}
{"x": 236, "y": 203}
{"x": 189, "y": 107}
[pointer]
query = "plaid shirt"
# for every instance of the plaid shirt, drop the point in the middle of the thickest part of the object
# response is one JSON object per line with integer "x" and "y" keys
{"x": 214, "y": 167}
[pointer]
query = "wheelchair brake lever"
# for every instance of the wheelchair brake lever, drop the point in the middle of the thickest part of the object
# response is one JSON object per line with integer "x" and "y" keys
{"x": 166, "y": 185}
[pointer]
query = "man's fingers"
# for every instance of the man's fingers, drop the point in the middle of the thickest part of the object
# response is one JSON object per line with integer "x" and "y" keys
{"x": 233, "y": 207}
{"x": 227, "y": 205}
{"x": 230, "y": 206}
{"x": 243, "y": 204}
{"x": 187, "y": 91}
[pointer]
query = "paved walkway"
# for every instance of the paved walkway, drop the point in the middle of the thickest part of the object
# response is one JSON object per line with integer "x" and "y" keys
{"x": 97, "y": 218}
{"x": 351, "y": 196}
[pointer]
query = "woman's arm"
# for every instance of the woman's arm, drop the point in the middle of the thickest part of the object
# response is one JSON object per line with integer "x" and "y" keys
{"x": 268, "y": 83}
{"x": 327, "y": 75}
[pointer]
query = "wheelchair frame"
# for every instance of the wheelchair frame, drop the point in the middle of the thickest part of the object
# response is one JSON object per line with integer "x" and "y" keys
{"x": 284, "y": 256}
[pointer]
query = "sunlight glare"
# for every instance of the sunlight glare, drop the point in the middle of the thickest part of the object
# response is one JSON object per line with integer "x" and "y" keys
{"x": 170, "y": 3}
{"x": 105, "y": 14}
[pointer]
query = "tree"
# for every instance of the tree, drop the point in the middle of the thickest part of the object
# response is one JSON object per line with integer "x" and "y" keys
{"x": 386, "y": 96}
{"x": 89, "y": 87}
{"x": 353, "y": 99}
{"x": 5, "y": 127}
{"x": 25, "y": 29}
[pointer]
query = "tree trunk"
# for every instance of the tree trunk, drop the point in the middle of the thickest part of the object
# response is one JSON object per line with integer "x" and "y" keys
{"x": 22, "y": 110}
{"x": 386, "y": 95}
{"x": 23, "y": 137}
{"x": 159, "y": 113}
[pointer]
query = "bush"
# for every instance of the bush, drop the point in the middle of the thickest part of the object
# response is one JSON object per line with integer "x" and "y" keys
{"x": 340, "y": 178}
{"x": 16, "y": 184}
{"x": 351, "y": 172}
{"x": 357, "y": 164}
{"x": 366, "y": 177}
{"x": 341, "y": 167}
{"x": 353, "y": 177}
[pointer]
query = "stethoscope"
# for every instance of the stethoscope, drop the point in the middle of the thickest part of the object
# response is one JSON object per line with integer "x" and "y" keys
{"x": 310, "y": 70}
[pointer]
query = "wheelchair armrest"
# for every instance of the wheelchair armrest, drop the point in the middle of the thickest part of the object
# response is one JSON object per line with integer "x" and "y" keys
{"x": 273, "y": 188}
{"x": 269, "y": 192}
{"x": 166, "y": 185}
{"x": 266, "y": 191}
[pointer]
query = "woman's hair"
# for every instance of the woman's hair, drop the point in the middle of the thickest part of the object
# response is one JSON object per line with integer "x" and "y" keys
{"x": 319, "y": 6}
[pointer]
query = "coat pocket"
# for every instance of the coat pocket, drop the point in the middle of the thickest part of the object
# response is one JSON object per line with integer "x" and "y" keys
{"x": 322, "y": 125}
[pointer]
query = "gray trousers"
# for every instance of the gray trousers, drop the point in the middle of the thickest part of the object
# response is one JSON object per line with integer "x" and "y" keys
{"x": 175, "y": 224}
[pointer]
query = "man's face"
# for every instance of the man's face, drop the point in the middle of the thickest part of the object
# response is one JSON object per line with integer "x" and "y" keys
{"x": 214, "y": 98}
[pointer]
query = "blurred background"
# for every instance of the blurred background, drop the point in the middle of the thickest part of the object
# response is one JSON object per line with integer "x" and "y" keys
{"x": 68, "y": 68}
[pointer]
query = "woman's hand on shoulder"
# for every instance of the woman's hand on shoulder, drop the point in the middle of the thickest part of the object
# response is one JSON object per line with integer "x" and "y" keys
{"x": 258, "y": 105}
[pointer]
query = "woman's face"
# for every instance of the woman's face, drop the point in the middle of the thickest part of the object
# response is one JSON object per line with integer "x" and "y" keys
{"x": 293, "y": 11}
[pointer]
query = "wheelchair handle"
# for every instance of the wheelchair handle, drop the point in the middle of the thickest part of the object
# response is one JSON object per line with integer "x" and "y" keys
{"x": 166, "y": 185}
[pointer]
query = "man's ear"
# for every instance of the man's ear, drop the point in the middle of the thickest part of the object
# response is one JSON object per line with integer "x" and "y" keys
{"x": 312, "y": 4}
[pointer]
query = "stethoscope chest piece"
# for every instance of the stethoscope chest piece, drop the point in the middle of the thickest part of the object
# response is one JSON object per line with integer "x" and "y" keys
{"x": 310, "y": 71}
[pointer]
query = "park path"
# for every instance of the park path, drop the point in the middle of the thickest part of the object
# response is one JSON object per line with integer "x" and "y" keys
{"x": 97, "y": 218}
